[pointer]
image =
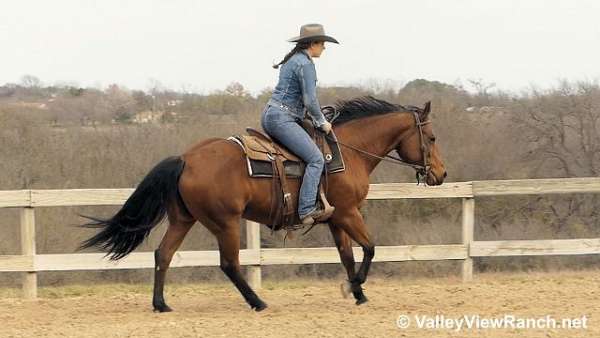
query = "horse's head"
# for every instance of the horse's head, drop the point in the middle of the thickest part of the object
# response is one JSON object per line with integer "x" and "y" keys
{"x": 419, "y": 148}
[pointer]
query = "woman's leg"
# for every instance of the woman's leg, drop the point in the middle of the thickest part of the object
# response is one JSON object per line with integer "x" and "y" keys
{"x": 287, "y": 131}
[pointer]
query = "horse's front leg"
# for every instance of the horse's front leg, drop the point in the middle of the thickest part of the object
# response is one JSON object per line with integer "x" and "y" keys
{"x": 344, "y": 246}
{"x": 352, "y": 223}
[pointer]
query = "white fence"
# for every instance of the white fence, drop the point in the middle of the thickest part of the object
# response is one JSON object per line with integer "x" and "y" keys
{"x": 254, "y": 256}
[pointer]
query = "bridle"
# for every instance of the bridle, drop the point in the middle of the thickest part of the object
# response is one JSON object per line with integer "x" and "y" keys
{"x": 422, "y": 169}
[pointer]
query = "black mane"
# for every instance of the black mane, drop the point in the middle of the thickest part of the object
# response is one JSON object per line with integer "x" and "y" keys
{"x": 364, "y": 107}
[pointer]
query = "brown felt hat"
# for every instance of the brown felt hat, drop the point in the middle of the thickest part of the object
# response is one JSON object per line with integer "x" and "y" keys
{"x": 312, "y": 32}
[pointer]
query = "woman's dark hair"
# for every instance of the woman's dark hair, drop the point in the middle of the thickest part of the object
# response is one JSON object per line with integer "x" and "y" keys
{"x": 299, "y": 46}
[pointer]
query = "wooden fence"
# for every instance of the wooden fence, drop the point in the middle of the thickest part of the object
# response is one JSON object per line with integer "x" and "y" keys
{"x": 254, "y": 256}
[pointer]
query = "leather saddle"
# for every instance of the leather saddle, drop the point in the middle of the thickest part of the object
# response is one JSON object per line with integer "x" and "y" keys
{"x": 268, "y": 159}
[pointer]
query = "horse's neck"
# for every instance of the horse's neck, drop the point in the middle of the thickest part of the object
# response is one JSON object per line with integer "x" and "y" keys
{"x": 377, "y": 135}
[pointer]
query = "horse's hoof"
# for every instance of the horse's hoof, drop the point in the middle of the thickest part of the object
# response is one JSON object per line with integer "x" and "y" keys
{"x": 162, "y": 308}
{"x": 260, "y": 306}
{"x": 361, "y": 300}
{"x": 346, "y": 289}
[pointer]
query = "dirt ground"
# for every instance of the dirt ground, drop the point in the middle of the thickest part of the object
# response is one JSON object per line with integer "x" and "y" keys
{"x": 308, "y": 308}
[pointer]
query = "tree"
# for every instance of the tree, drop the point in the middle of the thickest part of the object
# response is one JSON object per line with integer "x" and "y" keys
{"x": 236, "y": 89}
{"x": 30, "y": 81}
{"x": 481, "y": 86}
{"x": 120, "y": 103}
{"x": 562, "y": 128}
{"x": 142, "y": 101}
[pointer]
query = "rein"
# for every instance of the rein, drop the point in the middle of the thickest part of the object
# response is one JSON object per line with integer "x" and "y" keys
{"x": 387, "y": 158}
{"x": 421, "y": 169}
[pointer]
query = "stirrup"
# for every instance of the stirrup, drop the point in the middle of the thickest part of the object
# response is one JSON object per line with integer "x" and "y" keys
{"x": 318, "y": 216}
{"x": 328, "y": 209}
{"x": 327, "y": 212}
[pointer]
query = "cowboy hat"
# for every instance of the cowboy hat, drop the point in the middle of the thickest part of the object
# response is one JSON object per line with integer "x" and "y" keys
{"x": 312, "y": 32}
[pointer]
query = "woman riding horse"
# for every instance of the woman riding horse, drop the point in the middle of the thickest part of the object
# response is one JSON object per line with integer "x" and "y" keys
{"x": 194, "y": 186}
{"x": 296, "y": 92}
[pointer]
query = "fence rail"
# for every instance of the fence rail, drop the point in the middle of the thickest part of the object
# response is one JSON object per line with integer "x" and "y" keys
{"x": 254, "y": 256}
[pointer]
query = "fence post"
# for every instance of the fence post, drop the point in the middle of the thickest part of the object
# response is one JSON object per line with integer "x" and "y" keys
{"x": 468, "y": 221}
{"x": 253, "y": 243}
{"x": 28, "y": 249}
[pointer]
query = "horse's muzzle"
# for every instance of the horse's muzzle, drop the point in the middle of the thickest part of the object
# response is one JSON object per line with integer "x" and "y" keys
{"x": 432, "y": 179}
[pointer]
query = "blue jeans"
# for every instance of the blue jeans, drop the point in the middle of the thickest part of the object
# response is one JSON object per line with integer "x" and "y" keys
{"x": 286, "y": 129}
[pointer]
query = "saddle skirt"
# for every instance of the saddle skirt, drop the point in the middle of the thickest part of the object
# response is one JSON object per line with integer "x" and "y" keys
{"x": 260, "y": 150}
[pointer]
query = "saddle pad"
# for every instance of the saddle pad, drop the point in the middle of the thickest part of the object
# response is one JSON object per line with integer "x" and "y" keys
{"x": 293, "y": 169}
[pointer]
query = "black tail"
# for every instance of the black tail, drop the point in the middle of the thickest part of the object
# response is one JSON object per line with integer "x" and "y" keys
{"x": 142, "y": 211}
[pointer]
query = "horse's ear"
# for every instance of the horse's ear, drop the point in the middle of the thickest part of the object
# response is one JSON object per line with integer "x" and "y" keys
{"x": 426, "y": 110}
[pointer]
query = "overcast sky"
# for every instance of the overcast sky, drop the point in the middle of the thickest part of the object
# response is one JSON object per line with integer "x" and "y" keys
{"x": 204, "y": 45}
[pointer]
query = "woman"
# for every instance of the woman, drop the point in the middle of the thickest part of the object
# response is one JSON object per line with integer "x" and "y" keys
{"x": 295, "y": 92}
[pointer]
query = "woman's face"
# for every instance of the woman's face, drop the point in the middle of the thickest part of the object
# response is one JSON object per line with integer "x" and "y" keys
{"x": 316, "y": 48}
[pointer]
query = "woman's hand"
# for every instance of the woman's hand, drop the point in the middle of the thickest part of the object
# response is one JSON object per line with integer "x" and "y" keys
{"x": 326, "y": 127}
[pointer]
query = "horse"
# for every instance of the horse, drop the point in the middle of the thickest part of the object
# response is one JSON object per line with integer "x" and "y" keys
{"x": 209, "y": 183}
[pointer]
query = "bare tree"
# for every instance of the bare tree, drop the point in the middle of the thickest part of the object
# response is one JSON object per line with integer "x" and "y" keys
{"x": 561, "y": 128}
{"x": 30, "y": 81}
{"x": 481, "y": 86}
{"x": 236, "y": 89}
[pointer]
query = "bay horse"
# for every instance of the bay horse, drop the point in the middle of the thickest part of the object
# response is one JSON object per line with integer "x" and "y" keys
{"x": 209, "y": 183}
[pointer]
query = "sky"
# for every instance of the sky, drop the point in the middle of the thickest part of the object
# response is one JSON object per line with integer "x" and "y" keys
{"x": 202, "y": 46}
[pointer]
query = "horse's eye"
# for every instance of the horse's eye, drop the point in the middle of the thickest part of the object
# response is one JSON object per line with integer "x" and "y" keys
{"x": 432, "y": 139}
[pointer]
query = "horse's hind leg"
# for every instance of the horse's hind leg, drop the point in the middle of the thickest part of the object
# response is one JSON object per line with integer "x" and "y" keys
{"x": 228, "y": 237}
{"x": 171, "y": 241}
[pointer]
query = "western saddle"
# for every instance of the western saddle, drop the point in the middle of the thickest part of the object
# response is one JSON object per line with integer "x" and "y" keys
{"x": 268, "y": 159}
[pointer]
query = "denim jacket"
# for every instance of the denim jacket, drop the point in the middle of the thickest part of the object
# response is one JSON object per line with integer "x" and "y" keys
{"x": 297, "y": 88}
